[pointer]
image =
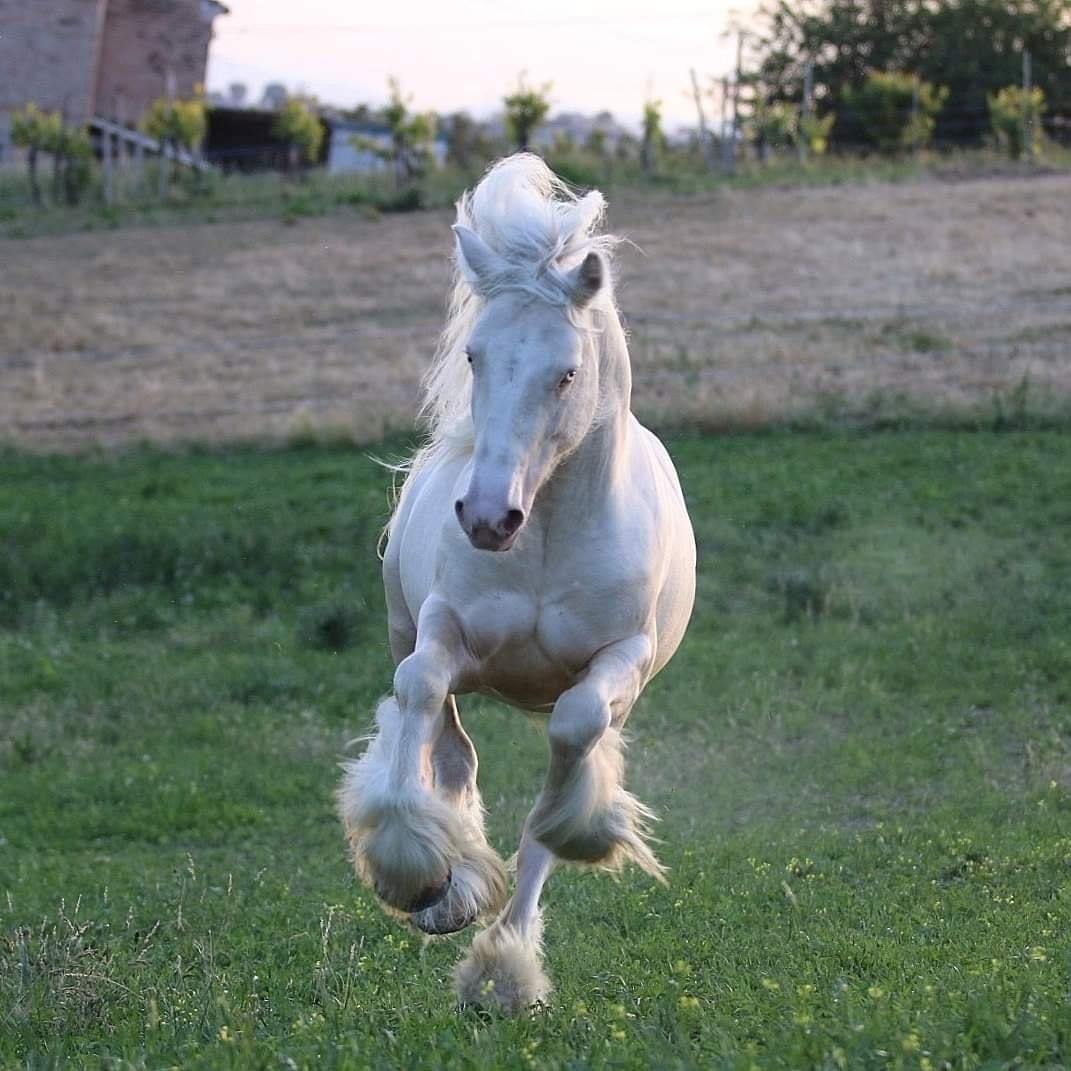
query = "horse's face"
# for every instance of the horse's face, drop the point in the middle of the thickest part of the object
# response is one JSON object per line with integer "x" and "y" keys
{"x": 535, "y": 394}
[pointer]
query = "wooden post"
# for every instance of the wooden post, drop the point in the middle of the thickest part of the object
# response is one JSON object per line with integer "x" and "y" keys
{"x": 915, "y": 115}
{"x": 805, "y": 111}
{"x": 106, "y": 162}
{"x": 161, "y": 178}
{"x": 704, "y": 136}
{"x": 1028, "y": 119}
{"x": 726, "y": 139}
{"x": 139, "y": 168}
{"x": 736, "y": 94}
{"x": 121, "y": 146}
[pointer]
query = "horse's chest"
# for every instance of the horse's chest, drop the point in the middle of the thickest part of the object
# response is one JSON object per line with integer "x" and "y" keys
{"x": 529, "y": 649}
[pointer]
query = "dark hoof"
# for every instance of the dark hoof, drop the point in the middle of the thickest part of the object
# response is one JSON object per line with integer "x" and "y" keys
{"x": 441, "y": 919}
{"x": 426, "y": 898}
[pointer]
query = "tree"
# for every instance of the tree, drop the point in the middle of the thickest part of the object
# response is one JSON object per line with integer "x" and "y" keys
{"x": 298, "y": 124}
{"x": 176, "y": 125}
{"x": 896, "y": 111}
{"x": 237, "y": 92}
{"x": 274, "y": 96}
{"x": 595, "y": 142}
{"x": 772, "y": 126}
{"x": 1016, "y": 117}
{"x": 466, "y": 141}
{"x": 38, "y": 131}
{"x": 972, "y": 47}
{"x": 35, "y": 131}
{"x": 653, "y": 138}
{"x": 526, "y": 108}
{"x": 814, "y": 131}
{"x": 412, "y": 135}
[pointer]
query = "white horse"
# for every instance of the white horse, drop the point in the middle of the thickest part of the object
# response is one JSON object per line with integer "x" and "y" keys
{"x": 540, "y": 552}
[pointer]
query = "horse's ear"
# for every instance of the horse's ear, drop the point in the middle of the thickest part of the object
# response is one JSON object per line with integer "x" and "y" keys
{"x": 476, "y": 260}
{"x": 586, "y": 279}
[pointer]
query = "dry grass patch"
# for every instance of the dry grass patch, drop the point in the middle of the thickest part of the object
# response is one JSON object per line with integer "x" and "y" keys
{"x": 744, "y": 307}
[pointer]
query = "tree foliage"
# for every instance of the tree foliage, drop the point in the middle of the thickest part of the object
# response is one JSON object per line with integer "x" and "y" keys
{"x": 526, "y": 107}
{"x": 298, "y": 124}
{"x": 772, "y": 125}
{"x": 181, "y": 124}
{"x": 39, "y": 131}
{"x": 896, "y": 111}
{"x": 412, "y": 135}
{"x": 1016, "y": 117}
{"x": 653, "y": 138}
{"x": 814, "y": 131}
{"x": 972, "y": 47}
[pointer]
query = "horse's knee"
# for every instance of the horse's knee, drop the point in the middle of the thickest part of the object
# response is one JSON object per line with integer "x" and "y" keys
{"x": 579, "y": 719}
{"x": 421, "y": 682}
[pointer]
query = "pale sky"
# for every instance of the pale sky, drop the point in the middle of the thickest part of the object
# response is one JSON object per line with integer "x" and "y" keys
{"x": 464, "y": 55}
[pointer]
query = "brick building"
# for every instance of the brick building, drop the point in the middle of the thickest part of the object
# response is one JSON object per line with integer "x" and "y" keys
{"x": 100, "y": 57}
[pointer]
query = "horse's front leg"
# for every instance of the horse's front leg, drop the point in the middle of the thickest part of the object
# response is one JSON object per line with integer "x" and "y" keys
{"x": 504, "y": 966}
{"x": 406, "y": 838}
{"x": 478, "y": 880}
{"x": 584, "y": 813}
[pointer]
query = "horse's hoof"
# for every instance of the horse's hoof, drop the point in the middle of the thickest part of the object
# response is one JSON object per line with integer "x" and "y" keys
{"x": 426, "y": 898}
{"x": 443, "y": 918}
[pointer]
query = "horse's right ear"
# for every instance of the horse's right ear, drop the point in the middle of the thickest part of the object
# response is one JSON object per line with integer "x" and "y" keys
{"x": 478, "y": 262}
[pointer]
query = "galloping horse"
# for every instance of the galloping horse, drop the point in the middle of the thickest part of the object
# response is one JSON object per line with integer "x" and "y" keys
{"x": 540, "y": 552}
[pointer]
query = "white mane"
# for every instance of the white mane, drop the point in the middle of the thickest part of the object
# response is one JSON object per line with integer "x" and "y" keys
{"x": 534, "y": 222}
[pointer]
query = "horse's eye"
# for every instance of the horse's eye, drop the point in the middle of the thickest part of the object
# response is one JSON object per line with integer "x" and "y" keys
{"x": 567, "y": 378}
{"x": 468, "y": 356}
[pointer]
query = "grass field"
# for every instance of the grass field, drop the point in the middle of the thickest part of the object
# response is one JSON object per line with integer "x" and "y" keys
{"x": 862, "y": 756}
{"x": 870, "y": 301}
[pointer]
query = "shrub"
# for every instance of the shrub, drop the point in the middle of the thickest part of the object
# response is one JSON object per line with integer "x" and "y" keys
{"x": 35, "y": 131}
{"x": 181, "y": 123}
{"x": 411, "y": 137}
{"x": 1015, "y": 114}
{"x": 897, "y": 111}
{"x": 773, "y": 126}
{"x": 526, "y": 108}
{"x": 814, "y": 132}
{"x": 38, "y": 131}
{"x": 653, "y": 138}
{"x": 298, "y": 124}
{"x": 176, "y": 124}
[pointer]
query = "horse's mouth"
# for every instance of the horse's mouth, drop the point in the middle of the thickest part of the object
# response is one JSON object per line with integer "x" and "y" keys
{"x": 483, "y": 537}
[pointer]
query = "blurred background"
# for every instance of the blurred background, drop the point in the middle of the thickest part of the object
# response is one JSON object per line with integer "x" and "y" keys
{"x": 224, "y": 261}
{"x": 837, "y": 205}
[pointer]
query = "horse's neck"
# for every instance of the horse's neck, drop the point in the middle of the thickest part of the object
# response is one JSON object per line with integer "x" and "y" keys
{"x": 592, "y": 471}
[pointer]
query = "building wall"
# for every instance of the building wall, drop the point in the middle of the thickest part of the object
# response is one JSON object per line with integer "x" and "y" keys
{"x": 148, "y": 44}
{"x": 48, "y": 55}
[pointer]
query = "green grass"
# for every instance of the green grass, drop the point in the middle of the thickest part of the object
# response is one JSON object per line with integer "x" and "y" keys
{"x": 862, "y": 756}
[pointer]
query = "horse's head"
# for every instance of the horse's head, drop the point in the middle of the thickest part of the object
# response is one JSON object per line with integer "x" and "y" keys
{"x": 535, "y": 383}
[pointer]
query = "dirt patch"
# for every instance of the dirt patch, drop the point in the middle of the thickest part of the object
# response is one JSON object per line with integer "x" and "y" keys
{"x": 743, "y": 307}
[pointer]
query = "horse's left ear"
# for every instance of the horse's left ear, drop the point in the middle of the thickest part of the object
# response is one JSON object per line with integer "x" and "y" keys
{"x": 586, "y": 279}
{"x": 478, "y": 263}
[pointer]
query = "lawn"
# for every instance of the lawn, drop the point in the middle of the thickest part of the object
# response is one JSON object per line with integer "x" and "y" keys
{"x": 861, "y": 756}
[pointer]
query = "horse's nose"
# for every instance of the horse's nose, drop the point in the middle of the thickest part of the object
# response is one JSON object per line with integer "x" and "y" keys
{"x": 483, "y": 532}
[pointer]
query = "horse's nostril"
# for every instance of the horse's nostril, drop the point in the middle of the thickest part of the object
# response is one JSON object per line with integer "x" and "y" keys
{"x": 459, "y": 508}
{"x": 512, "y": 521}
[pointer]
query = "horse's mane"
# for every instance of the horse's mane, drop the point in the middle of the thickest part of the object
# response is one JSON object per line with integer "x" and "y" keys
{"x": 540, "y": 227}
